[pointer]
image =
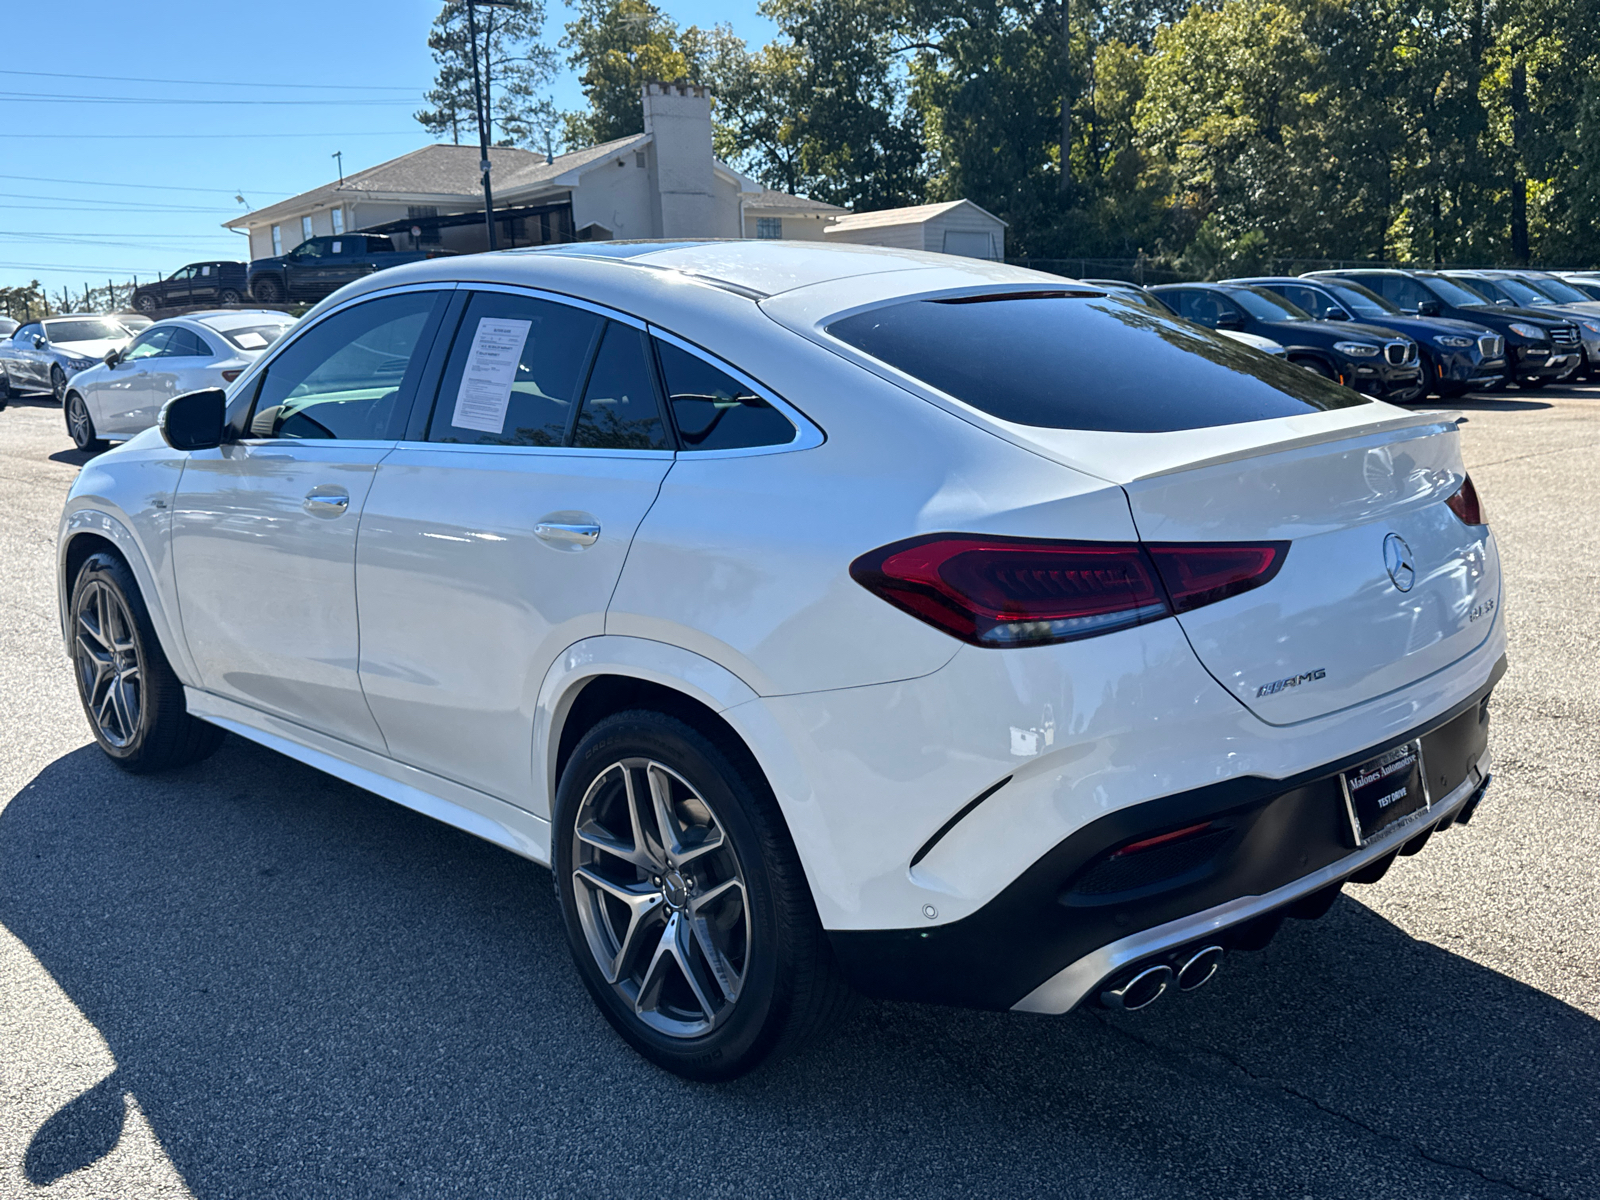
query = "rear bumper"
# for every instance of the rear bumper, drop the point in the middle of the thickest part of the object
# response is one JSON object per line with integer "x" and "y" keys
{"x": 1052, "y": 937}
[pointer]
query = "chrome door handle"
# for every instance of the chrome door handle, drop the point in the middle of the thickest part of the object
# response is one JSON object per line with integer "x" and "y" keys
{"x": 561, "y": 531}
{"x": 327, "y": 504}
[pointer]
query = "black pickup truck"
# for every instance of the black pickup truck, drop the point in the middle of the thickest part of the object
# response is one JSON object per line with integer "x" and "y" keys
{"x": 198, "y": 283}
{"x": 321, "y": 265}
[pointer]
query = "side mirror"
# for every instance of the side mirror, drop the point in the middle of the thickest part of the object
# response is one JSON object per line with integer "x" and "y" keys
{"x": 1229, "y": 320}
{"x": 195, "y": 420}
{"x": 113, "y": 357}
{"x": 1428, "y": 308}
{"x": 38, "y": 342}
{"x": 1336, "y": 314}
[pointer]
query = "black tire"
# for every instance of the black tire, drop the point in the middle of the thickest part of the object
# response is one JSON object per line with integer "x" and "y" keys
{"x": 771, "y": 946}
{"x": 5, "y": 388}
{"x": 1317, "y": 367}
{"x": 268, "y": 290}
{"x": 1451, "y": 390}
{"x": 146, "y": 303}
{"x": 1534, "y": 384}
{"x": 80, "y": 425}
{"x": 58, "y": 385}
{"x": 229, "y": 296}
{"x": 142, "y": 724}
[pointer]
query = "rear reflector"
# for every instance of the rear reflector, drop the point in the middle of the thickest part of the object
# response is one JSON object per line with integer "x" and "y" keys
{"x": 1163, "y": 839}
{"x": 998, "y": 591}
{"x": 1465, "y": 503}
{"x": 1197, "y": 574}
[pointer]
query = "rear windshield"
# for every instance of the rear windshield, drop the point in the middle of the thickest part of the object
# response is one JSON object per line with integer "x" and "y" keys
{"x": 255, "y": 337}
{"x": 1060, "y": 361}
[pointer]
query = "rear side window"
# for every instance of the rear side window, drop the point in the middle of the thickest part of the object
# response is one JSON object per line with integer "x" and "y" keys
{"x": 514, "y": 372}
{"x": 185, "y": 344}
{"x": 713, "y": 410}
{"x": 619, "y": 403}
{"x": 1059, "y": 361}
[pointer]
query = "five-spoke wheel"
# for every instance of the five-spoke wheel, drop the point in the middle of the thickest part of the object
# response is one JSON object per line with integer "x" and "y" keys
{"x": 109, "y": 675}
{"x": 80, "y": 425}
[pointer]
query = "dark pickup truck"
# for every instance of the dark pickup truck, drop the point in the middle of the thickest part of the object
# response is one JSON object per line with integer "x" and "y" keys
{"x": 321, "y": 265}
{"x": 198, "y": 283}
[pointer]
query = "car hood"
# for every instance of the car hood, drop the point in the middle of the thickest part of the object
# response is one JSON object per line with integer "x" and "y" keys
{"x": 276, "y": 261}
{"x": 1254, "y": 340}
{"x": 1424, "y": 326}
{"x": 1541, "y": 317}
{"x": 91, "y": 349}
{"x": 1338, "y": 330}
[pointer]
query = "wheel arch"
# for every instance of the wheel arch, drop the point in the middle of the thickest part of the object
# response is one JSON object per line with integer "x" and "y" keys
{"x": 86, "y": 531}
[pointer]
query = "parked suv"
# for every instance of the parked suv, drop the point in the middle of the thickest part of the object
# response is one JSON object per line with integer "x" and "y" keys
{"x": 1532, "y": 289}
{"x": 864, "y": 617}
{"x": 1539, "y": 345}
{"x": 198, "y": 283}
{"x": 1457, "y": 356}
{"x": 1368, "y": 358}
{"x": 320, "y": 265}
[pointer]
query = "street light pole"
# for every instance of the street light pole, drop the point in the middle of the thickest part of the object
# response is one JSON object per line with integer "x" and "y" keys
{"x": 483, "y": 126}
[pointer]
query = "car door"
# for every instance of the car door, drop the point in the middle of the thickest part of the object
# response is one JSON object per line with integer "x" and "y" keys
{"x": 344, "y": 262}
{"x": 203, "y": 283}
{"x": 22, "y": 360}
{"x": 170, "y": 374}
{"x": 264, "y": 527}
{"x": 176, "y": 288}
{"x": 493, "y": 537}
{"x": 303, "y": 269}
{"x": 115, "y": 404}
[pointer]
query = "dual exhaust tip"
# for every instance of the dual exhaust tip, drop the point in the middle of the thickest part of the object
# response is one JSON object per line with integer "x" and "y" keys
{"x": 1146, "y": 986}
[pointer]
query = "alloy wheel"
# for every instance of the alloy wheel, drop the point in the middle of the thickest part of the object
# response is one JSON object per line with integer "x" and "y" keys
{"x": 58, "y": 384}
{"x": 661, "y": 897}
{"x": 110, "y": 674}
{"x": 78, "y": 424}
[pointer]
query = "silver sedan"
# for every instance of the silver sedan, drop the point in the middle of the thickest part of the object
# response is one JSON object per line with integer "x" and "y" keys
{"x": 42, "y": 356}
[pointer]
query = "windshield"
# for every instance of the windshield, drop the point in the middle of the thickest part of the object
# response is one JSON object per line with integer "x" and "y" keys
{"x": 1521, "y": 292}
{"x": 1140, "y": 299}
{"x": 1056, "y": 360}
{"x": 1452, "y": 291}
{"x": 83, "y": 329}
{"x": 1561, "y": 293}
{"x": 256, "y": 337}
{"x": 1359, "y": 300}
{"x": 1264, "y": 306}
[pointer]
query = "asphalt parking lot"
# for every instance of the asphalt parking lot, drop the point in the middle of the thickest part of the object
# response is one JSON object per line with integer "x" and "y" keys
{"x": 249, "y": 979}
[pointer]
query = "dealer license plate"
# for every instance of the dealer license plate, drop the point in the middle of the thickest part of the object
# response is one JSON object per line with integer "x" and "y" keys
{"x": 1385, "y": 791}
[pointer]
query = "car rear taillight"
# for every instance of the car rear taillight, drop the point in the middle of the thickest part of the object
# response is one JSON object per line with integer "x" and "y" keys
{"x": 1197, "y": 574}
{"x": 1163, "y": 839}
{"x": 230, "y": 376}
{"x": 1465, "y": 504}
{"x": 999, "y": 591}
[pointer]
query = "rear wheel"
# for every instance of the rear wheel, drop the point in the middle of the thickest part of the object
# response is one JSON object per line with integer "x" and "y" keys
{"x": 145, "y": 303}
{"x": 267, "y": 290}
{"x": 133, "y": 700}
{"x": 686, "y": 909}
{"x": 229, "y": 296}
{"x": 80, "y": 425}
{"x": 1534, "y": 383}
{"x": 58, "y": 384}
{"x": 5, "y": 388}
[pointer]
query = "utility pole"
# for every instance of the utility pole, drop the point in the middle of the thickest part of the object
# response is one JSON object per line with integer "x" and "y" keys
{"x": 483, "y": 116}
{"x": 338, "y": 154}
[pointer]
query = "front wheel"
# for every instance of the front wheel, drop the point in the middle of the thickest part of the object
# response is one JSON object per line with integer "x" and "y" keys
{"x": 1317, "y": 367}
{"x": 58, "y": 385}
{"x": 687, "y": 912}
{"x": 80, "y": 425}
{"x": 5, "y": 387}
{"x": 133, "y": 700}
{"x": 1534, "y": 383}
{"x": 267, "y": 290}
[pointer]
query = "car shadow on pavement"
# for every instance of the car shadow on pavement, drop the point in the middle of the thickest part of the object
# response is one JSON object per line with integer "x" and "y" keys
{"x": 313, "y": 992}
{"x": 1489, "y": 404}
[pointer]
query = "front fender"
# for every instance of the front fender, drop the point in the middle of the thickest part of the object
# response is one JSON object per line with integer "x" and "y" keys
{"x": 142, "y": 542}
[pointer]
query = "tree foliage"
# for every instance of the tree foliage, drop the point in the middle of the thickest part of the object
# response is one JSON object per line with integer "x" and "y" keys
{"x": 515, "y": 67}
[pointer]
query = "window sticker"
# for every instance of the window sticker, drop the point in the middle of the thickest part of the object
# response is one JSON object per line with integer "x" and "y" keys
{"x": 485, "y": 391}
{"x": 249, "y": 340}
{"x": 336, "y": 246}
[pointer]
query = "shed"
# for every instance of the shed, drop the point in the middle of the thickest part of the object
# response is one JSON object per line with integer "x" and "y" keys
{"x": 956, "y": 227}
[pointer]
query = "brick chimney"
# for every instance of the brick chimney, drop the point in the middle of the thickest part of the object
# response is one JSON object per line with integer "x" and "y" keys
{"x": 678, "y": 118}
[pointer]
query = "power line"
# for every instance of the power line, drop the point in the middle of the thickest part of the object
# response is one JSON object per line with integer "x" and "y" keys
{"x": 161, "y": 187}
{"x": 75, "y": 267}
{"x": 204, "y": 101}
{"x": 227, "y": 83}
{"x": 69, "y": 233}
{"x": 123, "y": 137}
{"x": 118, "y": 204}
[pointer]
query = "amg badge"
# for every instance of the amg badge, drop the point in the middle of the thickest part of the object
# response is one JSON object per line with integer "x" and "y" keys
{"x": 1267, "y": 689}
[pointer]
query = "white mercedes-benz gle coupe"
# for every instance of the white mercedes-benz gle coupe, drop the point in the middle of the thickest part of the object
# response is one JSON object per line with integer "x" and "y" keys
{"x": 830, "y": 619}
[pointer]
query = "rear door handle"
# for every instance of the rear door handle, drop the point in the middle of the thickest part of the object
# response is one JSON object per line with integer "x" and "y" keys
{"x": 327, "y": 504}
{"x": 579, "y": 533}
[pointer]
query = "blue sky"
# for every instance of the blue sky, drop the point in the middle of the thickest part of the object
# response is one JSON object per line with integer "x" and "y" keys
{"x": 98, "y": 180}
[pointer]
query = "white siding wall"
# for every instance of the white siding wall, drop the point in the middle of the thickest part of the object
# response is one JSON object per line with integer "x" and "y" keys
{"x": 616, "y": 197}
{"x": 795, "y": 229}
{"x": 901, "y": 237}
{"x": 964, "y": 220}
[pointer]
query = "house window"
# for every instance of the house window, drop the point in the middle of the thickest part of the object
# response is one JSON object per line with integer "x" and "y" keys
{"x": 305, "y": 227}
{"x": 277, "y": 240}
{"x": 338, "y": 220}
{"x": 769, "y": 227}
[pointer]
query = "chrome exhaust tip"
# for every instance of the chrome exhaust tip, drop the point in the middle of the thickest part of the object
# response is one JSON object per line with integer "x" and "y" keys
{"x": 1140, "y": 990}
{"x": 1199, "y": 968}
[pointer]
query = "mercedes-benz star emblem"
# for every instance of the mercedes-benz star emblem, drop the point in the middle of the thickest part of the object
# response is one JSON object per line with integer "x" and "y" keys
{"x": 1397, "y": 557}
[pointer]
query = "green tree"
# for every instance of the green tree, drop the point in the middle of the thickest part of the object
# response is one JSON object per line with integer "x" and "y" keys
{"x": 618, "y": 46}
{"x": 515, "y": 68}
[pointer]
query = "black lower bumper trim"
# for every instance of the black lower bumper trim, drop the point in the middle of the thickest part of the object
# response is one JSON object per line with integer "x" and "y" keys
{"x": 1278, "y": 831}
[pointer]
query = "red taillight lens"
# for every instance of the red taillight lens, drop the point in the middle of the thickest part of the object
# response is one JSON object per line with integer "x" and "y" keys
{"x": 1466, "y": 505}
{"x": 1164, "y": 839}
{"x": 1198, "y": 574}
{"x": 993, "y": 591}
{"x": 997, "y": 591}
{"x": 230, "y": 376}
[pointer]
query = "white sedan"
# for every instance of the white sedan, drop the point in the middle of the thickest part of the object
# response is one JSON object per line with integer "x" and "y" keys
{"x": 123, "y": 395}
{"x": 823, "y": 616}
